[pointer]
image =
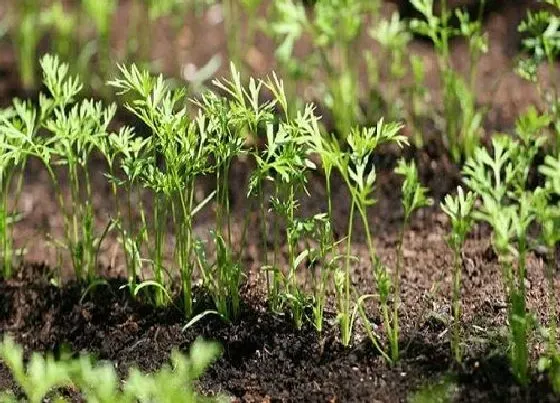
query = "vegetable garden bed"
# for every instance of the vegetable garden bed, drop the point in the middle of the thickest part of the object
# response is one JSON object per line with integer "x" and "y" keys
{"x": 344, "y": 257}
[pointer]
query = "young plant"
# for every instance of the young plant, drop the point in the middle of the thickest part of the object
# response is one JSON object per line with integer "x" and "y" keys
{"x": 414, "y": 197}
{"x": 18, "y": 127}
{"x": 459, "y": 209}
{"x": 548, "y": 217}
{"x": 101, "y": 12}
{"x": 328, "y": 150}
{"x": 99, "y": 382}
{"x": 358, "y": 172}
{"x": 126, "y": 151}
{"x": 232, "y": 121}
{"x": 75, "y": 129}
{"x": 325, "y": 257}
{"x": 500, "y": 180}
{"x": 334, "y": 28}
{"x": 286, "y": 164}
{"x": 27, "y": 34}
{"x": 462, "y": 119}
{"x": 542, "y": 30}
{"x": 177, "y": 154}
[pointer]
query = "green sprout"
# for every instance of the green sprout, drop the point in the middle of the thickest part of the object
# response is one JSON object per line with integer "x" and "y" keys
{"x": 126, "y": 151}
{"x": 334, "y": 28}
{"x": 18, "y": 127}
{"x": 542, "y": 39}
{"x": 232, "y": 121}
{"x": 181, "y": 145}
{"x": 27, "y": 34}
{"x": 76, "y": 130}
{"x": 459, "y": 209}
{"x": 101, "y": 12}
{"x": 462, "y": 119}
{"x": 42, "y": 376}
{"x": 358, "y": 172}
{"x": 548, "y": 217}
{"x": 414, "y": 197}
{"x": 500, "y": 180}
{"x": 286, "y": 164}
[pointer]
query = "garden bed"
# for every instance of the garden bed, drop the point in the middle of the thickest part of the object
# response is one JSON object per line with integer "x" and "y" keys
{"x": 266, "y": 359}
{"x": 264, "y": 356}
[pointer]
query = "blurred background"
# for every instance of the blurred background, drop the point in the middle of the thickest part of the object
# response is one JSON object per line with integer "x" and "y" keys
{"x": 357, "y": 59}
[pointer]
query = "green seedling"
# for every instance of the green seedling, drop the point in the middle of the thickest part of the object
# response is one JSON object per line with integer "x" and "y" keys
{"x": 126, "y": 151}
{"x": 233, "y": 120}
{"x": 358, "y": 172}
{"x": 101, "y": 12}
{"x": 27, "y": 34}
{"x": 500, "y": 180}
{"x": 542, "y": 31}
{"x": 334, "y": 28}
{"x": 393, "y": 35}
{"x": 548, "y": 217}
{"x": 459, "y": 209}
{"x": 414, "y": 196}
{"x": 326, "y": 258}
{"x": 285, "y": 164}
{"x": 462, "y": 119}
{"x": 18, "y": 126}
{"x": 98, "y": 382}
{"x": 75, "y": 130}
{"x": 177, "y": 153}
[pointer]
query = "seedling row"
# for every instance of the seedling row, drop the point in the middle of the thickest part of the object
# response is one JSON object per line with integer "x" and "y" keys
{"x": 510, "y": 185}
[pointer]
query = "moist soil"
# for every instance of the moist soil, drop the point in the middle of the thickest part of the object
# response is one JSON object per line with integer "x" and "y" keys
{"x": 264, "y": 357}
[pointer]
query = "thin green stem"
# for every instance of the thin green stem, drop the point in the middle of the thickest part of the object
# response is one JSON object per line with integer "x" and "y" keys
{"x": 345, "y": 314}
{"x": 456, "y": 336}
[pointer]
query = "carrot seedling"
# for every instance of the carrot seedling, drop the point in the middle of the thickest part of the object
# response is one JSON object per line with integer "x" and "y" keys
{"x": 459, "y": 208}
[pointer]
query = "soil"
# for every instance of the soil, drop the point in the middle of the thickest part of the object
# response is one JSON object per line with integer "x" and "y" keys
{"x": 264, "y": 357}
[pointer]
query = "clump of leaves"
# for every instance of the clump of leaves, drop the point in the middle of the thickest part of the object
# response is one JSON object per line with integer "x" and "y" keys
{"x": 500, "y": 181}
{"x": 176, "y": 154}
{"x": 18, "y": 126}
{"x": 43, "y": 376}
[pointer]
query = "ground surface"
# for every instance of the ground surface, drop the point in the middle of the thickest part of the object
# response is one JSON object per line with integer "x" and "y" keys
{"x": 265, "y": 358}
